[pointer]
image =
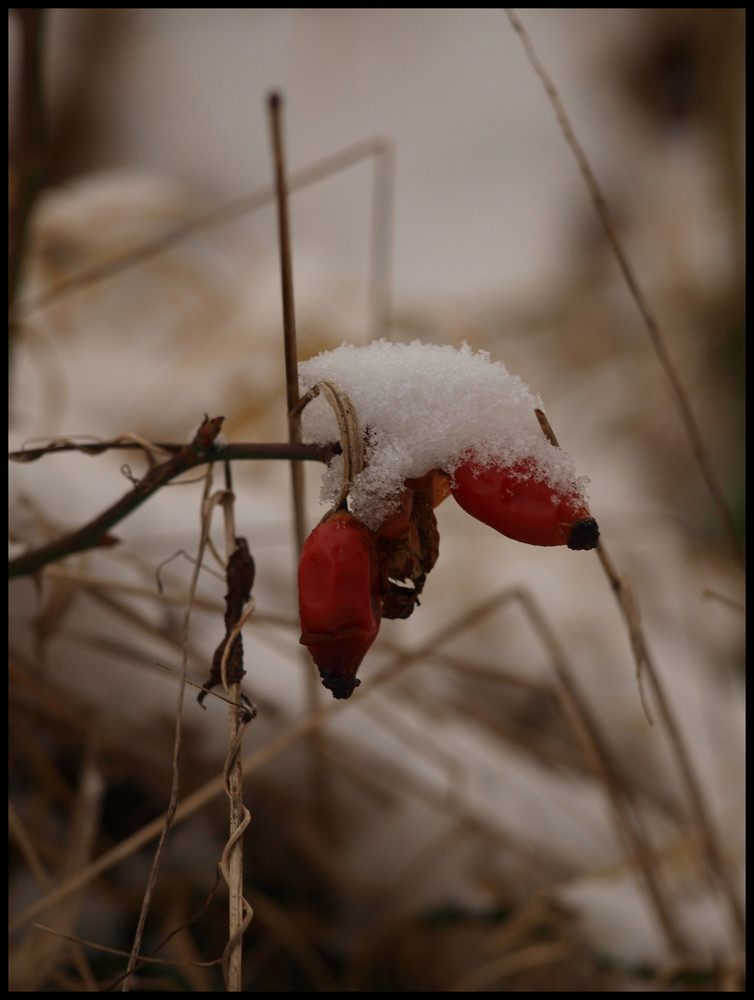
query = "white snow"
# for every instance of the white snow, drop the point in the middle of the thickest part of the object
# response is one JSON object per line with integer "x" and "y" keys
{"x": 424, "y": 407}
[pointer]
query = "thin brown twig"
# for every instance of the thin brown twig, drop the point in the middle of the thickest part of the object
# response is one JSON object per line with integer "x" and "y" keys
{"x": 143, "y": 959}
{"x": 621, "y": 585}
{"x": 625, "y": 592}
{"x": 293, "y": 393}
{"x": 380, "y": 268}
{"x": 677, "y": 390}
{"x": 578, "y": 714}
{"x": 240, "y": 912}
{"x": 258, "y": 758}
{"x": 177, "y": 741}
{"x": 230, "y": 452}
{"x": 275, "y": 109}
{"x": 219, "y": 216}
{"x": 713, "y": 853}
{"x": 28, "y": 144}
{"x": 37, "y": 956}
{"x": 94, "y": 533}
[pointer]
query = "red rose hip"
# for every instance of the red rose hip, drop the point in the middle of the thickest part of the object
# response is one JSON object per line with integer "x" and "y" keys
{"x": 523, "y": 508}
{"x": 339, "y": 599}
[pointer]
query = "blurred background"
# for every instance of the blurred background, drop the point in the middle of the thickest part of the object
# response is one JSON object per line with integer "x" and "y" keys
{"x": 451, "y": 829}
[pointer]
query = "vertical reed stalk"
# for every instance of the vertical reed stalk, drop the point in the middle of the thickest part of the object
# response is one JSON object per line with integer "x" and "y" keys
{"x": 239, "y": 911}
{"x": 275, "y": 109}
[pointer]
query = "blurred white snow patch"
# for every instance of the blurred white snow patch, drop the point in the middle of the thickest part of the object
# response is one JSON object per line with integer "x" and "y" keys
{"x": 469, "y": 779}
{"x": 424, "y": 407}
{"x": 619, "y": 921}
{"x": 616, "y": 918}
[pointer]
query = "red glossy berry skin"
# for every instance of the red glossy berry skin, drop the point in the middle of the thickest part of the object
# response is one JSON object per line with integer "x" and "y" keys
{"x": 339, "y": 599}
{"x": 524, "y": 508}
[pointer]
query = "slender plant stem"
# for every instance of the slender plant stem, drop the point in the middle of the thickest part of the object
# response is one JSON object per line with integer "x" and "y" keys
{"x": 380, "y": 264}
{"x": 713, "y": 853}
{"x": 677, "y": 390}
{"x": 275, "y": 107}
{"x": 624, "y": 594}
{"x": 716, "y": 862}
{"x": 229, "y": 452}
{"x": 95, "y": 533}
{"x": 232, "y": 961}
{"x": 235, "y": 854}
{"x": 218, "y": 216}
{"x": 178, "y": 738}
{"x": 28, "y": 154}
{"x": 256, "y": 759}
{"x": 627, "y": 822}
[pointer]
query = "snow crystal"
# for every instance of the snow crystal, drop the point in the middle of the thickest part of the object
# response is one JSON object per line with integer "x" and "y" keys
{"x": 424, "y": 407}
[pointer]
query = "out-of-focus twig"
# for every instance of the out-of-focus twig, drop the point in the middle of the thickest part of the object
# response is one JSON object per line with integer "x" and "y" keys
{"x": 210, "y": 432}
{"x": 677, "y": 391}
{"x": 627, "y": 820}
{"x": 625, "y": 593}
{"x": 301, "y": 729}
{"x": 28, "y": 144}
{"x": 38, "y": 955}
{"x": 221, "y": 215}
{"x": 713, "y": 853}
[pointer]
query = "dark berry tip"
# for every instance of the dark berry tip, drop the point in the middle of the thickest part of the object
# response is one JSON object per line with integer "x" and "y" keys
{"x": 584, "y": 534}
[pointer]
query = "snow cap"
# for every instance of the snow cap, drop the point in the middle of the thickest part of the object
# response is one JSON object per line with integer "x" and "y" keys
{"x": 424, "y": 407}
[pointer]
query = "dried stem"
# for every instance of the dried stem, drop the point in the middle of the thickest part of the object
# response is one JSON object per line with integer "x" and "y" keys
{"x": 621, "y": 584}
{"x": 677, "y": 391}
{"x": 167, "y": 822}
{"x": 275, "y": 103}
{"x": 226, "y": 213}
{"x": 579, "y": 716}
{"x": 229, "y": 452}
{"x": 28, "y": 145}
{"x": 380, "y": 290}
{"x": 624, "y": 592}
{"x": 310, "y": 723}
{"x": 202, "y": 450}
{"x": 240, "y": 912}
{"x": 275, "y": 109}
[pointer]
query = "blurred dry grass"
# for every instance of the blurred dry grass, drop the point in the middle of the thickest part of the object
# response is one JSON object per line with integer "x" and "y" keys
{"x": 398, "y": 841}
